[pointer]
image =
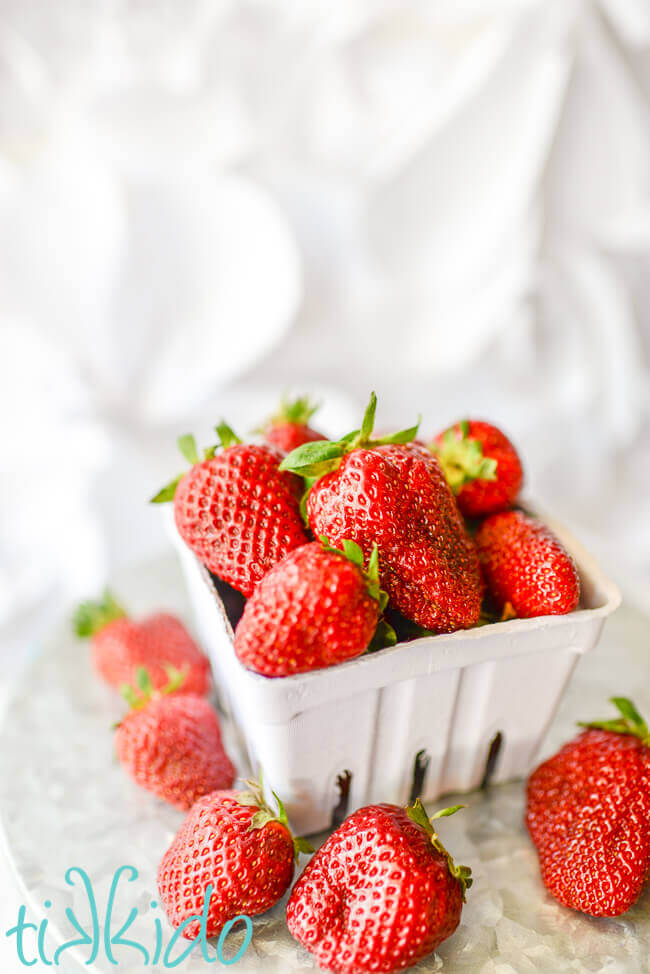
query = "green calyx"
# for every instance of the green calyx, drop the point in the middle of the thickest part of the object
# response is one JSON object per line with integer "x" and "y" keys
{"x": 299, "y": 411}
{"x": 313, "y": 460}
{"x": 187, "y": 446}
{"x": 384, "y": 634}
{"x": 353, "y": 553}
{"x": 143, "y": 692}
{"x": 417, "y": 813}
{"x": 254, "y": 796}
{"x": 461, "y": 457}
{"x": 90, "y": 617}
{"x": 630, "y": 722}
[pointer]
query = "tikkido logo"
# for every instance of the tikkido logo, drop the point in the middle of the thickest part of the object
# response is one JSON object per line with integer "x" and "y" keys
{"x": 97, "y": 939}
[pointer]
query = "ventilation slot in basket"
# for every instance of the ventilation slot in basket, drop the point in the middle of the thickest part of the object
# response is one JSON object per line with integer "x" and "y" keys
{"x": 492, "y": 758}
{"x": 420, "y": 765}
{"x": 340, "y": 810}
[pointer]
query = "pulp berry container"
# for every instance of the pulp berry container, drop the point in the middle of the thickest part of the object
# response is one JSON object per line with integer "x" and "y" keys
{"x": 434, "y": 715}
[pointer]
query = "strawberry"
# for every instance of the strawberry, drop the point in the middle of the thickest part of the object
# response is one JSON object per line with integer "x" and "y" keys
{"x": 380, "y": 894}
{"x": 170, "y": 743}
{"x": 121, "y": 646}
{"x": 315, "y": 608}
{"x": 588, "y": 813}
{"x": 481, "y": 465}
{"x": 392, "y": 492}
{"x": 527, "y": 571}
{"x": 236, "y": 510}
{"x": 289, "y": 427}
{"x": 233, "y": 842}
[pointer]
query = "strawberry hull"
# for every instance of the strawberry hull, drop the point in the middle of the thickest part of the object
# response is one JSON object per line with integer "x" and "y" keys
{"x": 476, "y": 702}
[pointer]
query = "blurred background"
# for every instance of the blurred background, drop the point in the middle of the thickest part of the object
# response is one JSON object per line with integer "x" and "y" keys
{"x": 205, "y": 203}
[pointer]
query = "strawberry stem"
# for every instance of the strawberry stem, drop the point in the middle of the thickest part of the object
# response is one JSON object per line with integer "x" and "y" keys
{"x": 417, "y": 813}
{"x": 461, "y": 457}
{"x": 227, "y": 436}
{"x": 187, "y": 446}
{"x": 254, "y": 797}
{"x": 353, "y": 553}
{"x": 299, "y": 411}
{"x": 139, "y": 696}
{"x": 91, "y": 616}
{"x": 630, "y": 722}
{"x": 313, "y": 460}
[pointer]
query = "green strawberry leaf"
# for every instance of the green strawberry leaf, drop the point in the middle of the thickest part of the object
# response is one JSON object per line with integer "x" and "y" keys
{"x": 91, "y": 616}
{"x": 167, "y": 492}
{"x": 176, "y": 678}
{"x": 313, "y": 459}
{"x": 461, "y": 457}
{"x": 227, "y": 436}
{"x": 187, "y": 446}
{"x": 445, "y": 812}
{"x": 368, "y": 421}
{"x": 628, "y": 710}
{"x": 299, "y": 411}
{"x": 353, "y": 552}
{"x": 631, "y": 722}
{"x": 403, "y": 436}
{"x": 384, "y": 637}
{"x": 417, "y": 813}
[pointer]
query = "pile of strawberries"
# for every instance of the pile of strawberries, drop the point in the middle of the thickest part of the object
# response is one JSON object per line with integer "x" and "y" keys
{"x": 338, "y": 543}
{"x": 334, "y": 543}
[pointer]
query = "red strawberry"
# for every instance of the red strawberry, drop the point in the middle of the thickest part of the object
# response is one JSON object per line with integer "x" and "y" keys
{"x": 392, "y": 492}
{"x": 236, "y": 510}
{"x": 526, "y": 568}
{"x": 380, "y": 894}
{"x": 159, "y": 642}
{"x": 315, "y": 608}
{"x": 289, "y": 427}
{"x": 481, "y": 465}
{"x": 233, "y": 842}
{"x": 170, "y": 743}
{"x": 588, "y": 814}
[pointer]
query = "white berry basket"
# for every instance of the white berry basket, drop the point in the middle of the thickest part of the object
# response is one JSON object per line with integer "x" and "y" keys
{"x": 434, "y": 715}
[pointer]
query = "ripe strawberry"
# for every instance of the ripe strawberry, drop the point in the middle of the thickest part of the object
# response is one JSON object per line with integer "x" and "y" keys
{"x": 170, "y": 743}
{"x": 233, "y": 842}
{"x": 481, "y": 465}
{"x": 392, "y": 492}
{"x": 121, "y": 646}
{"x": 527, "y": 571}
{"x": 315, "y": 608}
{"x": 236, "y": 510}
{"x": 289, "y": 427}
{"x": 588, "y": 813}
{"x": 380, "y": 894}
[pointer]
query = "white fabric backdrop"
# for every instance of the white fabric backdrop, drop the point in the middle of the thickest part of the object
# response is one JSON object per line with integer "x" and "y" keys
{"x": 201, "y": 203}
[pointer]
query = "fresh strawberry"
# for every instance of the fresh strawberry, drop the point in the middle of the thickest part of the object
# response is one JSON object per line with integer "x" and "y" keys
{"x": 289, "y": 428}
{"x": 158, "y": 642}
{"x": 588, "y": 813}
{"x": 233, "y": 842}
{"x": 170, "y": 743}
{"x": 236, "y": 510}
{"x": 380, "y": 894}
{"x": 392, "y": 492}
{"x": 315, "y": 608}
{"x": 526, "y": 569}
{"x": 481, "y": 465}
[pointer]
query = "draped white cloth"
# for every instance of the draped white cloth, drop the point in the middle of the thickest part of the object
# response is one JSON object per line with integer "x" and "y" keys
{"x": 203, "y": 202}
